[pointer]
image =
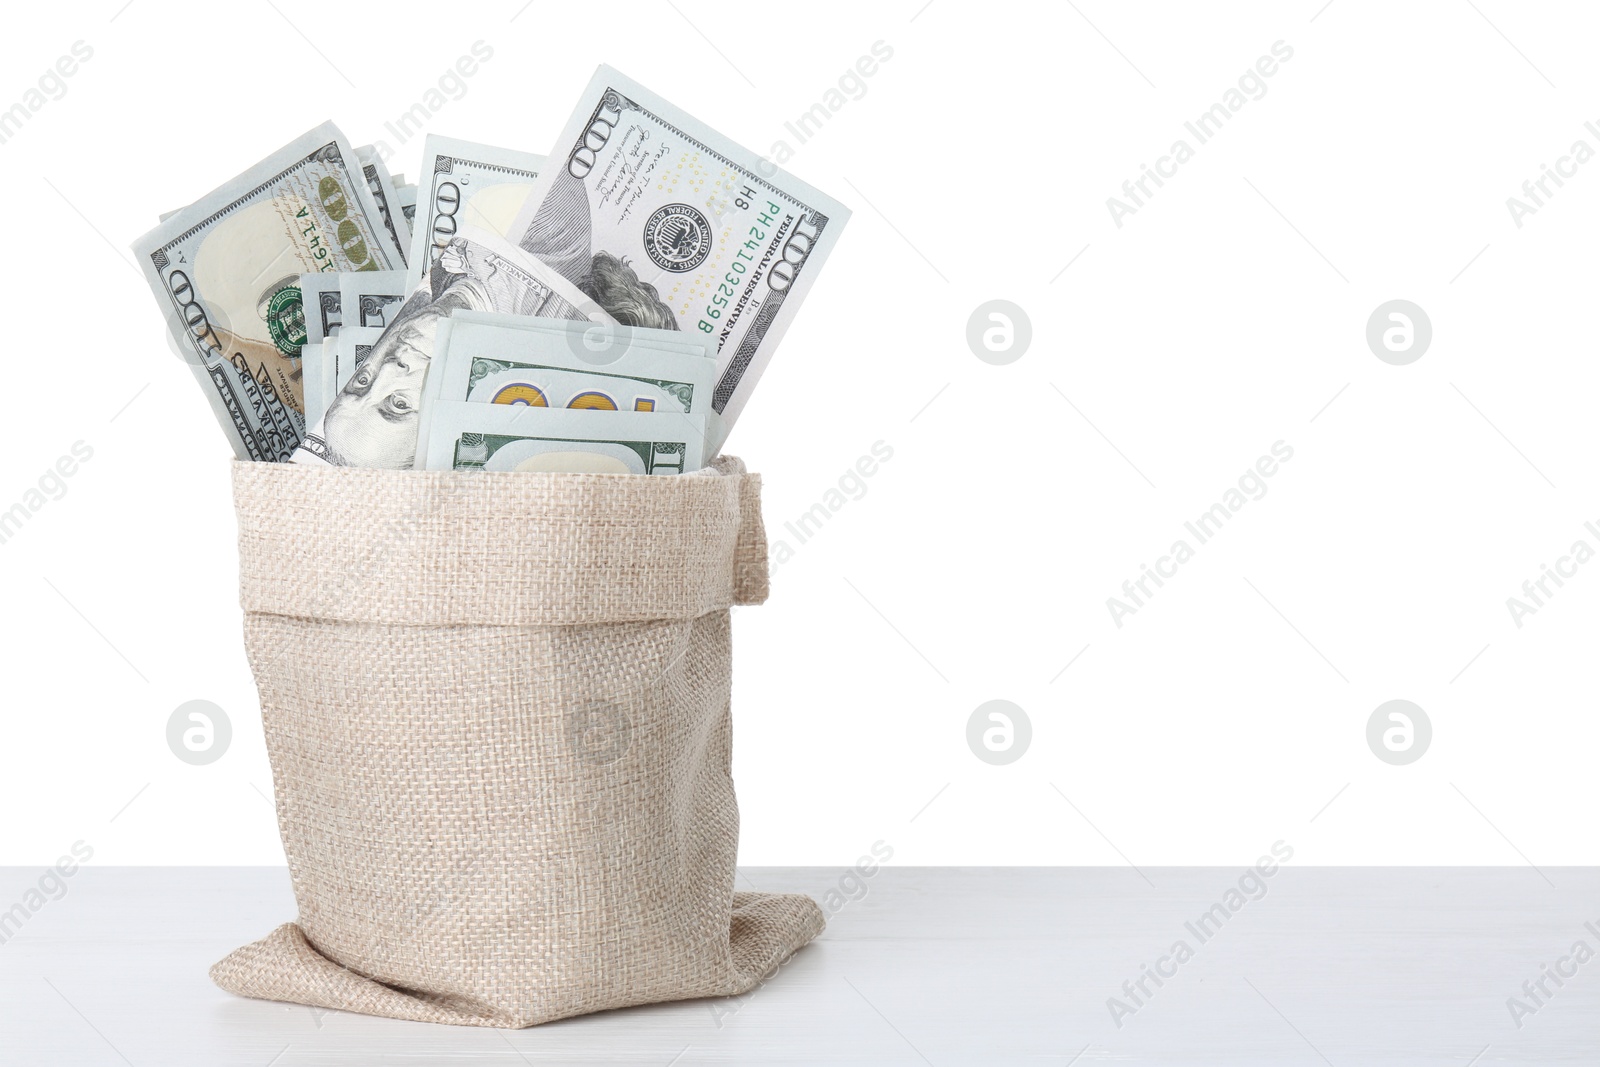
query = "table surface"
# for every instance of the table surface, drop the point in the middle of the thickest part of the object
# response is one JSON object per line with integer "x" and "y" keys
{"x": 919, "y": 966}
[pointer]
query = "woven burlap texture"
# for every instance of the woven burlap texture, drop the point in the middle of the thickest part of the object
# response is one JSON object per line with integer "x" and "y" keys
{"x": 497, "y": 711}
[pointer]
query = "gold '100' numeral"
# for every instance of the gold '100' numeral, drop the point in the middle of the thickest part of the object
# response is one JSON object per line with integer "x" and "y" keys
{"x": 591, "y": 400}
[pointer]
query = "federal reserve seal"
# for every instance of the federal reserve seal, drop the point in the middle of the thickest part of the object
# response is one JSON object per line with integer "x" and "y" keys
{"x": 286, "y": 317}
{"x": 677, "y": 237}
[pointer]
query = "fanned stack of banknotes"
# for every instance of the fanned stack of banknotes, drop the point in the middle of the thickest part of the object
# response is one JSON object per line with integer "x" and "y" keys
{"x": 605, "y": 309}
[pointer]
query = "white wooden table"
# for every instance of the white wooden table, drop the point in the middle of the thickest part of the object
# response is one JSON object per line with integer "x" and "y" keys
{"x": 937, "y": 966}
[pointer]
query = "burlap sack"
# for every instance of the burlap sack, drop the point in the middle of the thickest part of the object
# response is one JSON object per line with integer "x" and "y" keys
{"x": 497, "y": 710}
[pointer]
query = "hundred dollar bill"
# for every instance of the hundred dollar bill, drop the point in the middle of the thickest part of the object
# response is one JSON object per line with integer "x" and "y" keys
{"x": 664, "y": 222}
{"x": 316, "y": 392}
{"x": 371, "y": 298}
{"x": 382, "y": 188}
{"x": 406, "y": 196}
{"x": 330, "y": 365}
{"x": 540, "y": 377}
{"x": 496, "y": 363}
{"x": 372, "y": 421}
{"x": 226, "y": 271}
{"x": 601, "y": 339}
{"x": 368, "y": 294}
{"x": 495, "y": 437}
{"x": 599, "y": 342}
{"x": 344, "y": 353}
{"x": 319, "y": 297}
{"x": 466, "y": 184}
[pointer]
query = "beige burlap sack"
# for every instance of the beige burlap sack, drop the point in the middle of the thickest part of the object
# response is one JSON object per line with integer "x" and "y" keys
{"x": 497, "y": 710}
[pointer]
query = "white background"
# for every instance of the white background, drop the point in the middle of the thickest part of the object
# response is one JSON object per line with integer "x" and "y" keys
{"x": 1225, "y": 315}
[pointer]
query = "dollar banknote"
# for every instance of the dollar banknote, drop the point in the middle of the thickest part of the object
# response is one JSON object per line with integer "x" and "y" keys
{"x": 535, "y": 381}
{"x": 503, "y": 361}
{"x": 601, "y": 340}
{"x": 597, "y": 341}
{"x": 320, "y": 303}
{"x": 386, "y": 189}
{"x": 226, "y": 272}
{"x": 372, "y": 420}
{"x": 382, "y": 188}
{"x": 371, "y": 298}
{"x": 315, "y": 391}
{"x": 328, "y": 365}
{"x": 467, "y": 184}
{"x": 343, "y": 355}
{"x": 666, "y": 223}
{"x": 497, "y": 437}
{"x": 406, "y": 196}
